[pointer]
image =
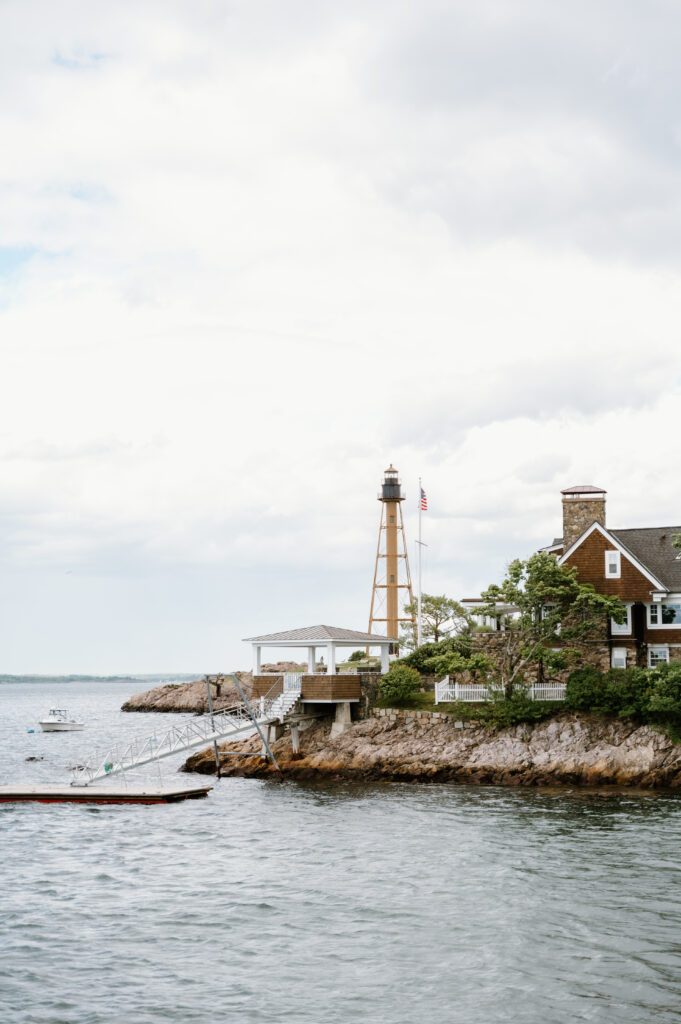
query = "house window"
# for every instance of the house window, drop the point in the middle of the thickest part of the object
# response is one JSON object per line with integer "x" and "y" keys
{"x": 666, "y": 613}
{"x": 618, "y": 657}
{"x": 550, "y": 609}
{"x": 658, "y": 656}
{"x": 613, "y": 568}
{"x": 622, "y": 628}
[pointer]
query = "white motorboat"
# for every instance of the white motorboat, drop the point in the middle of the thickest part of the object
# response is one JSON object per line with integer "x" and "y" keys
{"x": 59, "y": 720}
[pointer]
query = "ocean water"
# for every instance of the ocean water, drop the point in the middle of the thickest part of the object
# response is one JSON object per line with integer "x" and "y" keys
{"x": 274, "y": 902}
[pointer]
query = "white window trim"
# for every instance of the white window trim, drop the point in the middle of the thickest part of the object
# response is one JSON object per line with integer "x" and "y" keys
{"x": 546, "y": 610}
{"x": 615, "y": 652}
{"x": 657, "y": 647}
{"x": 610, "y": 553}
{"x": 661, "y": 624}
{"x": 622, "y": 628}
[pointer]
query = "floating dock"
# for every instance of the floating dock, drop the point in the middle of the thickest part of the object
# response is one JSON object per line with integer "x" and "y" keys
{"x": 102, "y": 794}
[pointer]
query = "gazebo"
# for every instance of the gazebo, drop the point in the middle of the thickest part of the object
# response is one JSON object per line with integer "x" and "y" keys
{"x": 314, "y": 637}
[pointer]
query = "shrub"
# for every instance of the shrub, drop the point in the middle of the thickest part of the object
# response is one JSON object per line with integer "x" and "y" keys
{"x": 519, "y": 707}
{"x": 399, "y": 684}
{"x": 582, "y": 688}
{"x": 419, "y": 658}
{"x": 478, "y": 666}
{"x": 664, "y": 695}
{"x": 622, "y": 692}
{"x": 625, "y": 692}
{"x": 356, "y": 656}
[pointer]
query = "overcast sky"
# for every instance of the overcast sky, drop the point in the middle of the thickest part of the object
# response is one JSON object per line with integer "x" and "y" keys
{"x": 251, "y": 252}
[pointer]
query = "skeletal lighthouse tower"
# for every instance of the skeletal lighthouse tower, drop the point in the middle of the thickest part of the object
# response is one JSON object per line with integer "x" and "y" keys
{"x": 391, "y": 573}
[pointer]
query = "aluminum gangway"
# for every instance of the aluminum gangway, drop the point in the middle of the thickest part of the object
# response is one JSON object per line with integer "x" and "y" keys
{"x": 225, "y": 724}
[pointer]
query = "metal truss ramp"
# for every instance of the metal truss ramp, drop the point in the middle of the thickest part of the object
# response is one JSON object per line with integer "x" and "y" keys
{"x": 217, "y": 726}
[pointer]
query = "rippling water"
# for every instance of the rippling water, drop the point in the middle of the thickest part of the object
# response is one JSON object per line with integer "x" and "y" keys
{"x": 275, "y": 902}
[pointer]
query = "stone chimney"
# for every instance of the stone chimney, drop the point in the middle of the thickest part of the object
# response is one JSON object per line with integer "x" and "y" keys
{"x": 581, "y": 506}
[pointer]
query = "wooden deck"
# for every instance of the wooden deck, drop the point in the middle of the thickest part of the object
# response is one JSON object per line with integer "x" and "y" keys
{"x": 313, "y": 688}
{"x": 101, "y": 794}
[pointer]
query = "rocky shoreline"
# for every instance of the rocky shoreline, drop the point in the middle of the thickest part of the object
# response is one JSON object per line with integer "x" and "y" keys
{"x": 189, "y": 697}
{"x": 569, "y": 749}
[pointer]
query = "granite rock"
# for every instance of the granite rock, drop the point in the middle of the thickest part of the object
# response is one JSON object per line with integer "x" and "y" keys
{"x": 575, "y": 749}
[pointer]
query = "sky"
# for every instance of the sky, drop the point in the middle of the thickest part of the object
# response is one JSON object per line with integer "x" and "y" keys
{"x": 253, "y": 252}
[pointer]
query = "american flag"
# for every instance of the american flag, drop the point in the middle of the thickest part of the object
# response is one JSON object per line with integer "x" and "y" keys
{"x": 423, "y": 504}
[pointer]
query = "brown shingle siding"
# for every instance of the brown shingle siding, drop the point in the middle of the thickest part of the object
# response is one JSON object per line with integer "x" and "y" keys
{"x": 345, "y": 687}
{"x": 589, "y": 559}
{"x": 263, "y": 684}
{"x": 659, "y": 637}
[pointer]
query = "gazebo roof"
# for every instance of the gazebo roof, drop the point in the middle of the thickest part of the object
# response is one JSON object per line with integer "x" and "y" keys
{"x": 321, "y": 635}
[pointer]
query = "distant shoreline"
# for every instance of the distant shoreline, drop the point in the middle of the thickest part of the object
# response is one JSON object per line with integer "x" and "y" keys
{"x": 159, "y": 678}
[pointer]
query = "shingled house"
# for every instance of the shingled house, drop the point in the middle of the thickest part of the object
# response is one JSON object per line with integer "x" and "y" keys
{"x": 641, "y": 566}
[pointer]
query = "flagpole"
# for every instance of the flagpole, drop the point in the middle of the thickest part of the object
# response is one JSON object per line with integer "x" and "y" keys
{"x": 418, "y": 619}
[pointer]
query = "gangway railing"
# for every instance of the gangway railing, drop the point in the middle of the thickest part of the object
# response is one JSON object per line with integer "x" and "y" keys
{"x": 197, "y": 732}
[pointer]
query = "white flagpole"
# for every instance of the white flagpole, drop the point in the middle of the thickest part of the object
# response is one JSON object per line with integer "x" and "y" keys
{"x": 418, "y": 619}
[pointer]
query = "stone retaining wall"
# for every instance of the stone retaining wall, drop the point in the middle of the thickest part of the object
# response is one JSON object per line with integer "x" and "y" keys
{"x": 401, "y": 715}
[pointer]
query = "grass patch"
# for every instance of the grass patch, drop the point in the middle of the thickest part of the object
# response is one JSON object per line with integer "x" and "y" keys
{"x": 417, "y": 702}
{"x": 426, "y": 702}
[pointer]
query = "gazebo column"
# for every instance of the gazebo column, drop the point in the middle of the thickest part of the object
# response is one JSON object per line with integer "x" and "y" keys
{"x": 256, "y": 659}
{"x": 311, "y": 660}
{"x": 385, "y": 661}
{"x": 331, "y": 659}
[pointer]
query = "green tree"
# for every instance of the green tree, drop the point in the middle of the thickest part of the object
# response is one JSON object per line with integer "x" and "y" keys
{"x": 440, "y": 617}
{"x": 554, "y": 612}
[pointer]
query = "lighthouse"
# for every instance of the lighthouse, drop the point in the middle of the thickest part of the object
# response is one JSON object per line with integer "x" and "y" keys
{"x": 392, "y": 579}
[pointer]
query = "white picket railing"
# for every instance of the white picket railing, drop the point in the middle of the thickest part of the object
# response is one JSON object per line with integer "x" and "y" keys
{"x": 293, "y": 681}
{"x": 548, "y": 691}
{"x": 478, "y": 693}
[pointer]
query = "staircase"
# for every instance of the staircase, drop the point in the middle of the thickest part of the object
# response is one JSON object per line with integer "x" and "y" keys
{"x": 280, "y": 708}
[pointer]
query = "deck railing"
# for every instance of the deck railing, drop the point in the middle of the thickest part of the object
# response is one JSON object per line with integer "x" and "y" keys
{"x": 477, "y": 693}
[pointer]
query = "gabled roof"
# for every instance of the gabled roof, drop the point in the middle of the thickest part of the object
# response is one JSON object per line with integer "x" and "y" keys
{"x": 648, "y": 548}
{"x": 652, "y": 546}
{"x": 557, "y": 542}
{"x": 321, "y": 635}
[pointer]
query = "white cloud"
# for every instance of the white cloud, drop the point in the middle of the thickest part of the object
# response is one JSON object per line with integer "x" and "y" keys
{"x": 272, "y": 250}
